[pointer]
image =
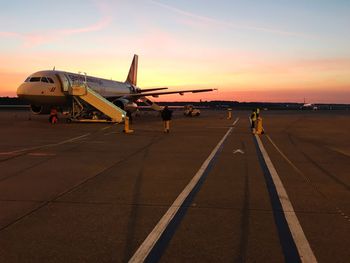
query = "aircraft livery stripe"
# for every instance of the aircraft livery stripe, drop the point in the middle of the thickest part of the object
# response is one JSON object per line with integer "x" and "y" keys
{"x": 149, "y": 243}
{"x": 303, "y": 247}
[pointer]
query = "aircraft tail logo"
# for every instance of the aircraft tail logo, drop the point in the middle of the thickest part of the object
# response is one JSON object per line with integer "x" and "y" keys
{"x": 132, "y": 76}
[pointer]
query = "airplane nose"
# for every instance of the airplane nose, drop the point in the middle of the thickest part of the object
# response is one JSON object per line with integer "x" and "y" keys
{"x": 21, "y": 90}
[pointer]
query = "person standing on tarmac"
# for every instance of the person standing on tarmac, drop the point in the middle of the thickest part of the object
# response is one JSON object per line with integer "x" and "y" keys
{"x": 253, "y": 118}
{"x": 257, "y": 112}
{"x": 166, "y": 115}
{"x": 53, "y": 116}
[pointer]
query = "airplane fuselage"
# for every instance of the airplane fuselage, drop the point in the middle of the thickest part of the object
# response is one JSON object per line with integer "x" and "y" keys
{"x": 51, "y": 87}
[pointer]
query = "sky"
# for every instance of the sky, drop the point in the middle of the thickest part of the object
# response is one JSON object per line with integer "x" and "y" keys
{"x": 256, "y": 50}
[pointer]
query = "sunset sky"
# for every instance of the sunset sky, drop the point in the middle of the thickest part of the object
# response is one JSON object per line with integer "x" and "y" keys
{"x": 257, "y": 50}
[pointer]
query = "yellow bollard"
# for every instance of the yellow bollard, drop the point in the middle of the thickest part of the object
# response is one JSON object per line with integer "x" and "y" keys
{"x": 259, "y": 126}
{"x": 229, "y": 113}
{"x": 127, "y": 126}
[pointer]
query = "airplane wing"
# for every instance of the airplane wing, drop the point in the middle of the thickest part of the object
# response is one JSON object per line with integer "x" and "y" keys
{"x": 156, "y": 94}
{"x": 153, "y": 89}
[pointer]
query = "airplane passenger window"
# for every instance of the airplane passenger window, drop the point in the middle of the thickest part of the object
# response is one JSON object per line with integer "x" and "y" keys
{"x": 35, "y": 79}
{"x": 50, "y": 80}
{"x": 44, "y": 79}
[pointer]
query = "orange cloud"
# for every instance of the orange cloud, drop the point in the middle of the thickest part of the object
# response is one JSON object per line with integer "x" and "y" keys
{"x": 9, "y": 82}
{"x": 334, "y": 95}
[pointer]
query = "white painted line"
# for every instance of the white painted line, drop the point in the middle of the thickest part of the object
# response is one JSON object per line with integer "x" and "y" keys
{"x": 47, "y": 145}
{"x": 303, "y": 246}
{"x": 147, "y": 245}
{"x": 238, "y": 151}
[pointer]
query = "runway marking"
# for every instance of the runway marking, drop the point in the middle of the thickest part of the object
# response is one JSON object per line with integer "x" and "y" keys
{"x": 109, "y": 133}
{"x": 305, "y": 252}
{"x": 6, "y": 153}
{"x": 217, "y": 127}
{"x": 238, "y": 151}
{"x": 316, "y": 189}
{"x": 340, "y": 151}
{"x": 285, "y": 157}
{"x": 47, "y": 145}
{"x": 41, "y": 154}
{"x": 148, "y": 244}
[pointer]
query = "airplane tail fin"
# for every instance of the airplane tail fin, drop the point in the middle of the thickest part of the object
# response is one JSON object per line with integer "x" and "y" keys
{"x": 132, "y": 76}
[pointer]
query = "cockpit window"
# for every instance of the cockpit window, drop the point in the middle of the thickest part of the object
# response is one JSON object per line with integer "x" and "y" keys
{"x": 27, "y": 79}
{"x": 35, "y": 79}
{"x": 50, "y": 80}
{"x": 44, "y": 79}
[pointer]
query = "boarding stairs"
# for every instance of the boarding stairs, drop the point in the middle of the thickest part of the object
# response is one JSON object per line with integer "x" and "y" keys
{"x": 84, "y": 92}
{"x": 152, "y": 104}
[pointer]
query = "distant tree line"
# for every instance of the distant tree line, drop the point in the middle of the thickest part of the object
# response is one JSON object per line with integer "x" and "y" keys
{"x": 218, "y": 104}
{"x": 12, "y": 101}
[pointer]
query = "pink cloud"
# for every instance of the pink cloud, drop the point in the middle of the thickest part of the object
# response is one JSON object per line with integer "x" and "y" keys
{"x": 9, "y": 34}
{"x": 34, "y": 39}
{"x": 37, "y": 38}
{"x": 216, "y": 22}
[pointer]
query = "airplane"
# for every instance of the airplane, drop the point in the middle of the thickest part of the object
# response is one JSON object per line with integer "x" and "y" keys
{"x": 62, "y": 90}
{"x": 308, "y": 106}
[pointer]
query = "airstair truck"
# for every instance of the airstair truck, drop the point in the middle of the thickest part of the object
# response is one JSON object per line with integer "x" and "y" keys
{"x": 190, "y": 111}
{"x": 85, "y": 93}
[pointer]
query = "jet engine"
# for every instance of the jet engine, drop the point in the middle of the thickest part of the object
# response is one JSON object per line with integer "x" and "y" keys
{"x": 125, "y": 104}
{"x": 39, "y": 109}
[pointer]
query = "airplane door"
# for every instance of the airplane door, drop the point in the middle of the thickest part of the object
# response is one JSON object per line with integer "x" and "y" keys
{"x": 65, "y": 82}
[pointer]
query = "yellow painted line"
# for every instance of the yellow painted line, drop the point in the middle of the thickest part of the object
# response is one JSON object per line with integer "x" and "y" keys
{"x": 6, "y": 153}
{"x": 285, "y": 157}
{"x": 346, "y": 153}
{"x": 305, "y": 252}
{"x": 41, "y": 154}
{"x": 69, "y": 140}
{"x": 306, "y": 178}
{"x": 143, "y": 251}
{"x": 109, "y": 127}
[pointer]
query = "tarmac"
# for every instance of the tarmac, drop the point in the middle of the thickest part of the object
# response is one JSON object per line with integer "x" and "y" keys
{"x": 83, "y": 192}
